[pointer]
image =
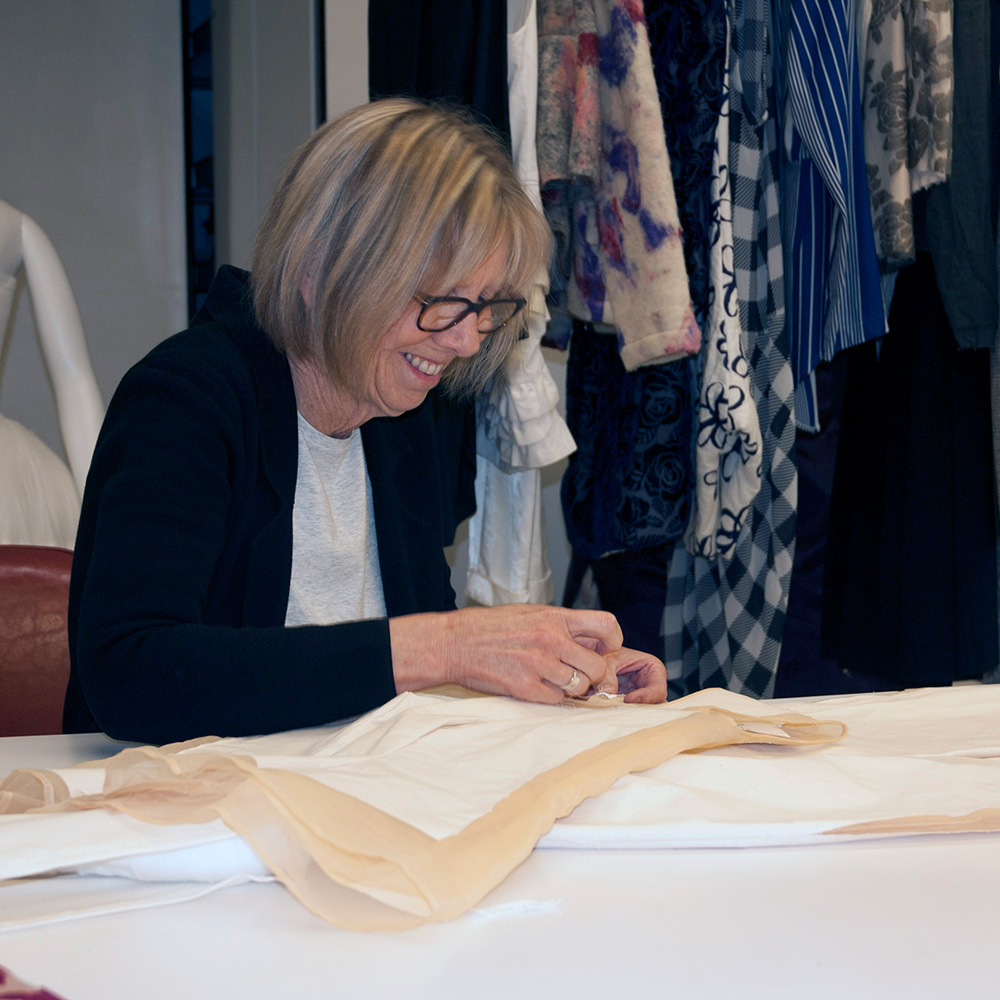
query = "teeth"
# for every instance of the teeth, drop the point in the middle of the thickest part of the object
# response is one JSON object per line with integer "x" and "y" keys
{"x": 423, "y": 366}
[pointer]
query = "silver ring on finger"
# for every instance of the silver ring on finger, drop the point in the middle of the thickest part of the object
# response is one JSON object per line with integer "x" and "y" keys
{"x": 573, "y": 684}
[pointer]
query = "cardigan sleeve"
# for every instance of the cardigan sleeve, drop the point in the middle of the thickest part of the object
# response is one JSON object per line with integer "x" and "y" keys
{"x": 175, "y": 511}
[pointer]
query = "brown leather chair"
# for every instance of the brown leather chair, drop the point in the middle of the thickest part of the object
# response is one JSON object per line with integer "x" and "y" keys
{"x": 34, "y": 647}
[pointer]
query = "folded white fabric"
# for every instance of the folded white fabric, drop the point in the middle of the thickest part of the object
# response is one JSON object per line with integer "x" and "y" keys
{"x": 440, "y": 766}
{"x": 925, "y": 752}
{"x": 482, "y": 777}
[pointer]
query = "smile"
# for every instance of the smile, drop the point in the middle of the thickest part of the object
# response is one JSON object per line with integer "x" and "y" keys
{"x": 423, "y": 366}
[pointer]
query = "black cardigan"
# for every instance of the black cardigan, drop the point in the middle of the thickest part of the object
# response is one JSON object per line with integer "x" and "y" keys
{"x": 183, "y": 555}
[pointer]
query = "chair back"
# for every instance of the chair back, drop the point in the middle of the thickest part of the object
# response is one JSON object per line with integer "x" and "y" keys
{"x": 34, "y": 644}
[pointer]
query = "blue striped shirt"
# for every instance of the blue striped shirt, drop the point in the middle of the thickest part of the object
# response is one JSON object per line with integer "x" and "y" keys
{"x": 833, "y": 294}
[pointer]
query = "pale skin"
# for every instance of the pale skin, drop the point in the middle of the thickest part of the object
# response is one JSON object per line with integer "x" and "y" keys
{"x": 523, "y": 650}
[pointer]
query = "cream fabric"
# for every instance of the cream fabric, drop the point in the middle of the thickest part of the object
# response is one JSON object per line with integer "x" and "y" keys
{"x": 39, "y": 504}
{"x": 507, "y": 561}
{"x": 909, "y": 758}
{"x": 415, "y": 811}
{"x": 412, "y": 813}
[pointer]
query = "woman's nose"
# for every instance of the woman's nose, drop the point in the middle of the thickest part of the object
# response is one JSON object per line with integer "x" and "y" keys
{"x": 463, "y": 338}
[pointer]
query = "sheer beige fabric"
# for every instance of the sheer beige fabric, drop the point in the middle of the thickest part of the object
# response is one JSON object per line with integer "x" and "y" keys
{"x": 336, "y": 825}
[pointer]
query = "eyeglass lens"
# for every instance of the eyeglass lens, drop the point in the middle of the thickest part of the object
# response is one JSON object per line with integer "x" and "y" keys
{"x": 437, "y": 316}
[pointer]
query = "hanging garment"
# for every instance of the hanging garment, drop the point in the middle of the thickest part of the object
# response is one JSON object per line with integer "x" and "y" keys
{"x": 723, "y": 621}
{"x": 628, "y": 485}
{"x": 518, "y": 427}
{"x": 727, "y": 433}
{"x": 961, "y": 215}
{"x": 616, "y": 218}
{"x": 687, "y": 44}
{"x": 910, "y": 587}
{"x": 441, "y": 50}
{"x": 834, "y": 296}
{"x": 805, "y": 668}
{"x": 637, "y": 222}
{"x": 569, "y": 158}
{"x": 517, "y": 418}
{"x": 929, "y": 83}
{"x": 907, "y": 113}
{"x": 687, "y": 40}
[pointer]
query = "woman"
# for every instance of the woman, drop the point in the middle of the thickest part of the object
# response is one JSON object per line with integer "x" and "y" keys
{"x": 260, "y": 545}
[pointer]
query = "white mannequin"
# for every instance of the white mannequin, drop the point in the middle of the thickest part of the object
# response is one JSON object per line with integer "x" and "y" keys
{"x": 35, "y": 505}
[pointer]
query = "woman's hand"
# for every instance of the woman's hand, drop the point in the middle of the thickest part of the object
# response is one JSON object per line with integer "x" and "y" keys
{"x": 532, "y": 652}
{"x": 641, "y": 677}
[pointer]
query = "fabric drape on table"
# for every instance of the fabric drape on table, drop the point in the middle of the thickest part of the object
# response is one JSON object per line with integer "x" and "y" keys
{"x": 723, "y": 620}
{"x": 359, "y": 824}
{"x": 910, "y": 762}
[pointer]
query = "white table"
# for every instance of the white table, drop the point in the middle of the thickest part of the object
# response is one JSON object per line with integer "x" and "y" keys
{"x": 914, "y": 918}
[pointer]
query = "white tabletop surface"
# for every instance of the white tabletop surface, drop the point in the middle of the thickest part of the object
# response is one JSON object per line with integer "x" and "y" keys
{"x": 906, "y": 917}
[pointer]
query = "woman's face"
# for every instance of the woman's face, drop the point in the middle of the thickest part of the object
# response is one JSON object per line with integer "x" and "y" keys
{"x": 410, "y": 361}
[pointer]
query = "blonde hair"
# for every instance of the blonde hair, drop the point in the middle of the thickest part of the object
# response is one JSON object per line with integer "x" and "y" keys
{"x": 390, "y": 200}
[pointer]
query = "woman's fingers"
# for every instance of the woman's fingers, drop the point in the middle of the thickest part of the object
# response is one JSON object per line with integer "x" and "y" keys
{"x": 598, "y": 630}
{"x": 642, "y": 678}
{"x": 576, "y": 685}
{"x": 533, "y": 652}
{"x": 590, "y": 666}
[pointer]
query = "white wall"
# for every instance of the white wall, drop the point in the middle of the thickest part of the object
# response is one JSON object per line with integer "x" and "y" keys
{"x": 346, "y": 50}
{"x": 91, "y": 147}
{"x": 266, "y": 103}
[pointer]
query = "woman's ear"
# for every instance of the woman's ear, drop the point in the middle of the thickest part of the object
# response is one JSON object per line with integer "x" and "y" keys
{"x": 307, "y": 290}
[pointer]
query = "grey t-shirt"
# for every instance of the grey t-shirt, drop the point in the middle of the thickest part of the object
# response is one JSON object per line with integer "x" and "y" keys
{"x": 335, "y": 569}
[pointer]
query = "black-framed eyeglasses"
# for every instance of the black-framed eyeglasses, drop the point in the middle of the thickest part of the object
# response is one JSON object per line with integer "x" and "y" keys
{"x": 442, "y": 312}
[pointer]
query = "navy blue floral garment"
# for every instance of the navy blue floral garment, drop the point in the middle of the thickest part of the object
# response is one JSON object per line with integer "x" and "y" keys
{"x": 687, "y": 40}
{"x": 629, "y": 484}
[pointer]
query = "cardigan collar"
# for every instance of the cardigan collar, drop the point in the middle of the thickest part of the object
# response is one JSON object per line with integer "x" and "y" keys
{"x": 388, "y": 441}
{"x": 229, "y": 302}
